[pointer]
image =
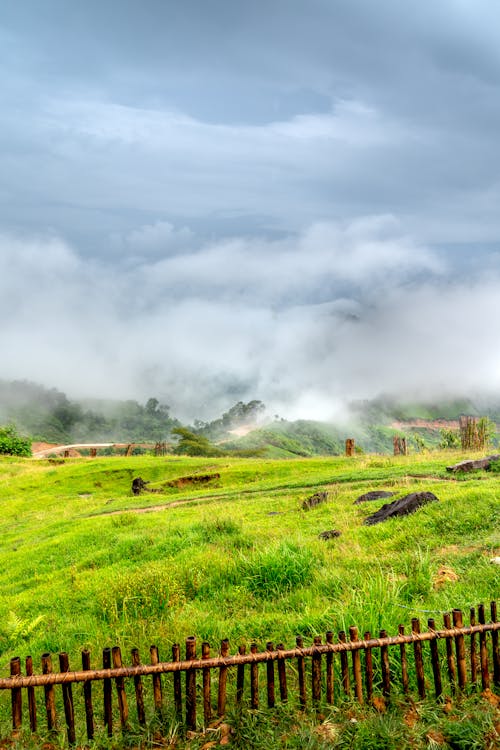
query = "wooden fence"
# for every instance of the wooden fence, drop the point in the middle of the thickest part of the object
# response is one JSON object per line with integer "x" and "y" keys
{"x": 470, "y": 660}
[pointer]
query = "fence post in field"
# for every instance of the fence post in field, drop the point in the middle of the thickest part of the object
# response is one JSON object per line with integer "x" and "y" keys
{"x": 405, "y": 683}
{"x": 282, "y": 674}
{"x": 301, "y": 670}
{"x": 460, "y": 649}
{"x": 50, "y": 704}
{"x": 349, "y": 447}
{"x": 271, "y": 701}
{"x": 483, "y": 651}
{"x": 191, "y": 684}
{"x": 207, "y": 696}
{"x": 69, "y": 711}
{"x": 473, "y": 649}
{"x": 16, "y": 697}
{"x": 419, "y": 660}
{"x": 31, "y": 695}
{"x": 386, "y": 670}
{"x": 316, "y": 673}
{"x": 356, "y": 666}
{"x": 176, "y": 656}
{"x": 494, "y": 646}
{"x": 254, "y": 680}
{"x": 436, "y": 669}
{"x": 221, "y": 697}
{"x": 139, "y": 693}
{"x": 107, "y": 692}
{"x": 329, "y": 670}
{"x": 157, "y": 691}
{"x": 344, "y": 666}
{"x": 368, "y": 669}
{"x": 87, "y": 696}
{"x": 240, "y": 676}
{"x": 450, "y": 659}
{"x": 120, "y": 688}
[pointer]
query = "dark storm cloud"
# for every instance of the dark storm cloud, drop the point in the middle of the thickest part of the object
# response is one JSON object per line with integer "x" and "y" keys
{"x": 255, "y": 188}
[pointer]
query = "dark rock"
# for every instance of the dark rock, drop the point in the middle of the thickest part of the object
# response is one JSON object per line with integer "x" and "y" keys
{"x": 329, "y": 534}
{"x": 402, "y": 507}
{"x": 316, "y": 499}
{"x": 471, "y": 464}
{"x": 139, "y": 485}
{"x": 375, "y": 495}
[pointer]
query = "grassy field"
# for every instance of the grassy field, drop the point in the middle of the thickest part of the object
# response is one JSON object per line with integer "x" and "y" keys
{"x": 84, "y": 563}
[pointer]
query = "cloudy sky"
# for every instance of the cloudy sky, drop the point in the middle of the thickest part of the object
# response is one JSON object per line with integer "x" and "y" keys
{"x": 213, "y": 200}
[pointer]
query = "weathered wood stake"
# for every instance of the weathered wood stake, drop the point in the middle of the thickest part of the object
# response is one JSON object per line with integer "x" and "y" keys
{"x": 157, "y": 689}
{"x": 368, "y": 669}
{"x": 16, "y": 697}
{"x": 460, "y": 650}
{"x": 120, "y": 688}
{"x": 191, "y": 684}
{"x": 139, "y": 692}
{"x": 419, "y": 659}
{"x": 282, "y": 675}
{"x": 329, "y": 671}
{"x": 473, "y": 649}
{"x": 450, "y": 660}
{"x": 385, "y": 667}
{"x": 240, "y": 676}
{"x": 301, "y": 670}
{"x": 271, "y": 700}
{"x": 344, "y": 666}
{"x": 50, "y": 703}
{"x": 316, "y": 673}
{"x": 405, "y": 683}
{"x": 494, "y": 646}
{"x": 31, "y": 695}
{"x": 207, "y": 692}
{"x": 222, "y": 692}
{"x": 176, "y": 656}
{"x": 107, "y": 692}
{"x": 254, "y": 680}
{"x": 69, "y": 711}
{"x": 483, "y": 651}
{"x": 436, "y": 669}
{"x": 356, "y": 666}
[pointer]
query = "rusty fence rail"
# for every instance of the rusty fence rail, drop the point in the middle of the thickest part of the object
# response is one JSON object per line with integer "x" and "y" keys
{"x": 470, "y": 659}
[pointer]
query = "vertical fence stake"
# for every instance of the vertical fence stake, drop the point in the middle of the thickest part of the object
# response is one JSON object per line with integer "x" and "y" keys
{"x": 69, "y": 711}
{"x": 329, "y": 670}
{"x": 106, "y": 692}
{"x": 31, "y": 695}
{"x": 222, "y": 692}
{"x": 207, "y": 697}
{"x": 16, "y": 697}
{"x": 301, "y": 669}
{"x": 254, "y": 680}
{"x": 120, "y": 688}
{"x": 483, "y": 651}
{"x": 191, "y": 684}
{"x": 405, "y": 683}
{"x": 176, "y": 656}
{"x": 270, "y": 677}
{"x": 50, "y": 704}
{"x": 139, "y": 693}
{"x": 494, "y": 646}
{"x": 87, "y": 696}
{"x": 240, "y": 676}
{"x": 344, "y": 665}
{"x": 473, "y": 649}
{"x": 282, "y": 674}
{"x": 368, "y": 669}
{"x": 436, "y": 669}
{"x": 452, "y": 676}
{"x": 419, "y": 659}
{"x": 316, "y": 673}
{"x": 157, "y": 691}
{"x": 460, "y": 649}
{"x": 386, "y": 670}
{"x": 356, "y": 666}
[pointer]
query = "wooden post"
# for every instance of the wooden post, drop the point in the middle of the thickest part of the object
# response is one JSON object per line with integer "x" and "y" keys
{"x": 404, "y": 662}
{"x": 207, "y": 697}
{"x": 404, "y": 446}
{"x": 494, "y": 646}
{"x": 191, "y": 684}
{"x": 483, "y": 651}
{"x": 270, "y": 678}
{"x": 452, "y": 675}
{"x": 240, "y": 676}
{"x": 107, "y": 694}
{"x": 222, "y": 692}
{"x": 344, "y": 666}
{"x": 139, "y": 693}
{"x": 69, "y": 711}
{"x": 254, "y": 680}
{"x": 368, "y": 669}
{"x": 349, "y": 447}
{"x": 316, "y": 673}
{"x": 157, "y": 691}
{"x": 50, "y": 703}
{"x": 176, "y": 656}
{"x": 460, "y": 649}
{"x": 473, "y": 649}
{"x": 436, "y": 669}
{"x": 31, "y": 695}
{"x": 87, "y": 696}
{"x": 396, "y": 445}
{"x": 282, "y": 675}
{"x": 419, "y": 660}
{"x": 356, "y": 666}
{"x": 93, "y": 452}
{"x": 301, "y": 669}
{"x": 16, "y": 697}
{"x": 384, "y": 663}
{"x": 120, "y": 688}
{"x": 329, "y": 670}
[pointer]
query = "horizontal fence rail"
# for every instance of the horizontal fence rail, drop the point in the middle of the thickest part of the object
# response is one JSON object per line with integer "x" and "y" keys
{"x": 471, "y": 658}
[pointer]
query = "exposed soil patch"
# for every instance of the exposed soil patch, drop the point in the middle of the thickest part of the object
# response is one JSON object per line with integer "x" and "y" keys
{"x": 194, "y": 479}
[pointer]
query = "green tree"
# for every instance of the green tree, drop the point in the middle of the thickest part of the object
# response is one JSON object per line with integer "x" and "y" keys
{"x": 191, "y": 444}
{"x": 13, "y": 444}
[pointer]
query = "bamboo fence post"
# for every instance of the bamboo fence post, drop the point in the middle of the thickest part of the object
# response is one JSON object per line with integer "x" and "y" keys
{"x": 452, "y": 675}
{"x": 316, "y": 673}
{"x": 436, "y": 669}
{"x": 301, "y": 670}
{"x": 384, "y": 663}
{"x": 222, "y": 691}
{"x": 419, "y": 659}
{"x": 405, "y": 683}
{"x": 139, "y": 693}
{"x": 107, "y": 692}
{"x": 176, "y": 656}
{"x": 356, "y": 666}
{"x": 31, "y": 695}
{"x": 460, "y": 649}
{"x": 120, "y": 688}
{"x": 69, "y": 710}
{"x": 87, "y": 696}
{"x": 473, "y": 649}
{"x": 207, "y": 697}
{"x": 157, "y": 690}
{"x": 329, "y": 670}
{"x": 483, "y": 651}
{"x": 494, "y": 646}
{"x": 254, "y": 680}
{"x": 50, "y": 704}
{"x": 368, "y": 669}
{"x": 344, "y": 666}
{"x": 16, "y": 697}
{"x": 190, "y": 684}
{"x": 282, "y": 674}
{"x": 240, "y": 676}
{"x": 271, "y": 701}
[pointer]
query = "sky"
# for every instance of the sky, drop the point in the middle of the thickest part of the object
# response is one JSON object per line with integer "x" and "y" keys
{"x": 210, "y": 201}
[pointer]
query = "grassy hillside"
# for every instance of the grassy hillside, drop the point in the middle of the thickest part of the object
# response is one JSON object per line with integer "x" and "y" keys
{"x": 82, "y": 564}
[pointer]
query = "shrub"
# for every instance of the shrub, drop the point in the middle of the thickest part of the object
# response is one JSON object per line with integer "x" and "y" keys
{"x": 13, "y": 444}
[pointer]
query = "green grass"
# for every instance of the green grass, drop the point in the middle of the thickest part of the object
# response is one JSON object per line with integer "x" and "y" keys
{"x": 79, "y": 567}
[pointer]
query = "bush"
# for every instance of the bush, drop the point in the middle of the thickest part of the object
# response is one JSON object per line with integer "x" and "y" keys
{"x": 12, "y": 444}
